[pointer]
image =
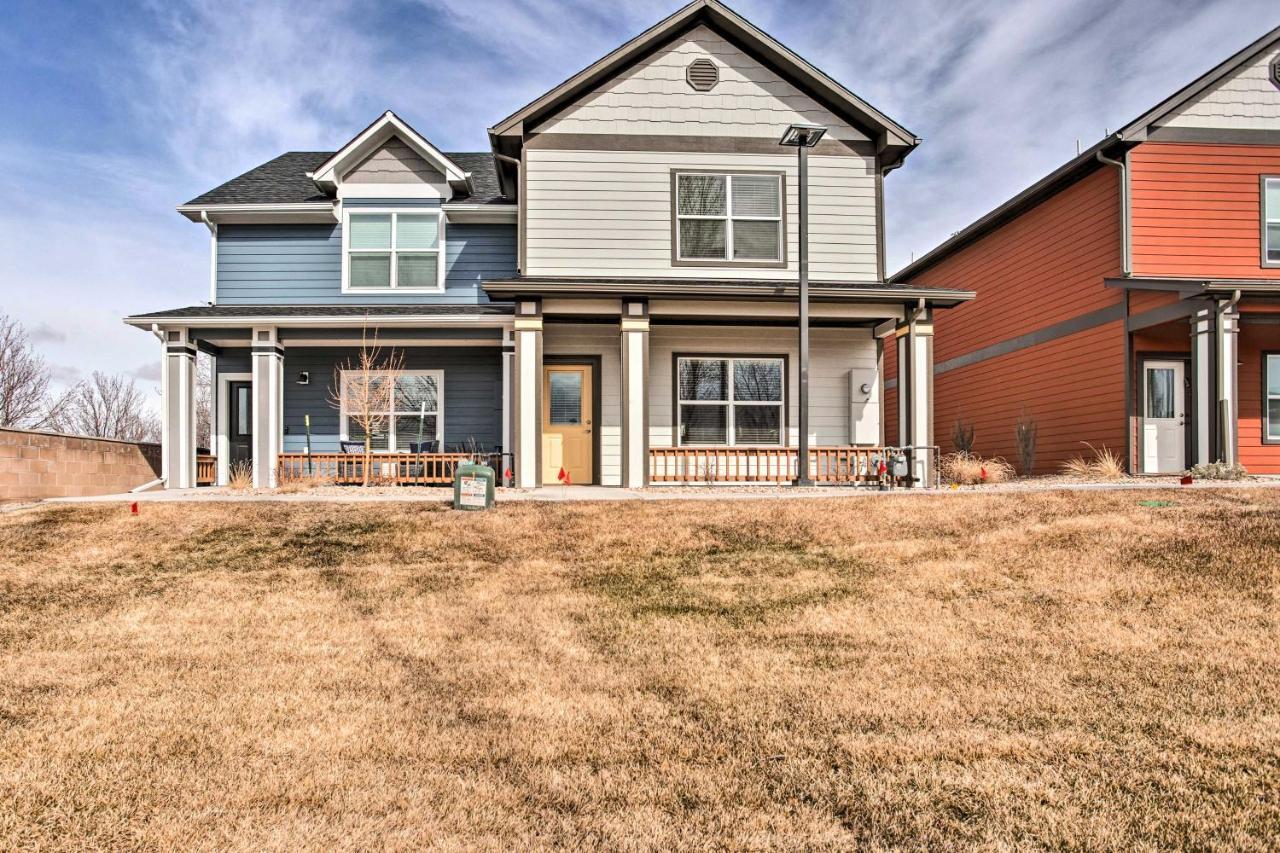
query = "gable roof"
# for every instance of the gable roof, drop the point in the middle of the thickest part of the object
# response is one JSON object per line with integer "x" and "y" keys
{"x": 383, "y": 128}
{"x": 285, "y": 180}
{"x": 893, "y": 141}
{"x": 1132, "y": 134}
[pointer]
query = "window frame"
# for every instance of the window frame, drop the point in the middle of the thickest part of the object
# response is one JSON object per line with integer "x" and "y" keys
{"x": 344, "y": 433}
{"x": 730, "y": 403}
{"x": 677, "y": 260}
{"x": 1267, "y": 355}
{"x": 394, "y": 212}
{"x": 1266, "y": 218}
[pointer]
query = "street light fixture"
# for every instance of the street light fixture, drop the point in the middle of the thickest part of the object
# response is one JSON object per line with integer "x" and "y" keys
{"x": 802, "y": 137}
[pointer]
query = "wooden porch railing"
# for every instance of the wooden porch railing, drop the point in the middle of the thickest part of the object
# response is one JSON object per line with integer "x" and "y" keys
{"x": 206, "y": 470}
{"x": 827, "y": 465}
{"x": 399, "y": 469}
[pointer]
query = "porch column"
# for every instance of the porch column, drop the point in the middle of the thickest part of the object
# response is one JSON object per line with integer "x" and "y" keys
{"x": 1204, "y": 401}
{"x": 635, "y": 394}
{"x": 178, "y": 384}
{"x": 915, "y": 391}
{"x": 528, "y": 393}
{"x": 508, "y": 377}
{"x": 268, "y": 405}
{"x": 1228, "y": 411}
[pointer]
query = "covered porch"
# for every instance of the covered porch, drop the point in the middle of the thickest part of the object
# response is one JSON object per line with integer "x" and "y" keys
{"x": 1204, "y": 374}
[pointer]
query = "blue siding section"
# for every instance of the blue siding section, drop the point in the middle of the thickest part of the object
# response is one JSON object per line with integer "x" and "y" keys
{"x": 302, "y": 265}
{"x": 472, "y": 392}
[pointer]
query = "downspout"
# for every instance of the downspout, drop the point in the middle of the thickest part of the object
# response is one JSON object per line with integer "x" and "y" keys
{"x": 1126, "y": 270}
{"x": 520, "y": 221}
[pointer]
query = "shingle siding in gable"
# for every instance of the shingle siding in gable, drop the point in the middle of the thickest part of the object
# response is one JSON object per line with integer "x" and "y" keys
{"x": 302, "y": 264}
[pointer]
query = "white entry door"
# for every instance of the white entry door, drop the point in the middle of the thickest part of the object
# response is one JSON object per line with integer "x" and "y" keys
{"x": 1163, "y": 417}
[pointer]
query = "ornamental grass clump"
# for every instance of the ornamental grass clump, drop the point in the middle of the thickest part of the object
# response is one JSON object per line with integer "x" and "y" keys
{"x": 1106, "y": 464}
{"x": 967, "y": 469}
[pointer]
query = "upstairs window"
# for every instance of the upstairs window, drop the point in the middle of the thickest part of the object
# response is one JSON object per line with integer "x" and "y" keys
{"x": 730, "y": 401}
{"x": 728, "y": 219}
{"x": 1271, "y": 221}
{"x": 393, "y": 250}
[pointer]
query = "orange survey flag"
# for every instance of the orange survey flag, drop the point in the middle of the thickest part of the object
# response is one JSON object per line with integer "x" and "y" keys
{"x": 564, "y": 477}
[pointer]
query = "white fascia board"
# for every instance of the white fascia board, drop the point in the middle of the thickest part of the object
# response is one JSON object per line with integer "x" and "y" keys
{"x": 387, "y": 125}
{"x": 310, "y": 211}
{"x": 482, "y": 213}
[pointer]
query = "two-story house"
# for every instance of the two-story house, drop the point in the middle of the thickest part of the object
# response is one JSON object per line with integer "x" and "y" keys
{"x": 1132, "y": 297}
{"x": 611, "y": 291}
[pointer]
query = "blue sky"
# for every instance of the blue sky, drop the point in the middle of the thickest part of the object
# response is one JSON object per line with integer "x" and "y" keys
{"x": 114, "y": 112}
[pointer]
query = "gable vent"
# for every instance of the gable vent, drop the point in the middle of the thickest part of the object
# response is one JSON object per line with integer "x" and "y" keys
{"x": 1275, "y": 71}
{"x": 702, "y": 75}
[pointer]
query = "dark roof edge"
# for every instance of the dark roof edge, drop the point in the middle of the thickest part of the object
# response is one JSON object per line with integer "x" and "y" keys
{"x": 1052, "y": 183}
{"x": 695, "y": 288}
{"x": 1129, "y": 135}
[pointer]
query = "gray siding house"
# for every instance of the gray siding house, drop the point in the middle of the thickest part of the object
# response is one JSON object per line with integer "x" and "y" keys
{"x": 610, "y": 292}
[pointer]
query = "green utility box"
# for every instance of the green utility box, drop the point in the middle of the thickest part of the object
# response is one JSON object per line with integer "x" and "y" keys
{"x": 473, "y": 486}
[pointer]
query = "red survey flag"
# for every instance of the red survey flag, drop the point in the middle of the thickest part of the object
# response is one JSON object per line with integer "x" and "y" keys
{"x": 563, "y": 477}
{"x": 133, "y": 508}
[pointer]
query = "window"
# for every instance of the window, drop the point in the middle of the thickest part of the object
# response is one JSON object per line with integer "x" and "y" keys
{"x": 416, "y": 404}
{"x": 728, "y": 218}
{"x": 729, "y": 401}
{"x": 1271, "y": 395}
{"x": 393, "y": 250}
{"x": 1271, "y": 221}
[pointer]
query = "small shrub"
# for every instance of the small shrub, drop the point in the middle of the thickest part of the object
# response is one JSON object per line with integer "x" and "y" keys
{"x": 240, "y": 477}
{"x": 1105, "y": 465}
{"x": 969, "y": 470}
{"x": 962, "y": 436}
{"x": 1218, "y": 471}
{"x": 1025, "y": 432}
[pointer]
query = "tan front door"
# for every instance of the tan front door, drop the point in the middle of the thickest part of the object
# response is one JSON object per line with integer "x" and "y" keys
{"x": 566, "y": 424}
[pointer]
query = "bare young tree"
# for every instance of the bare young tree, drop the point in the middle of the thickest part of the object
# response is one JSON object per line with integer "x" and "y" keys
{"x": 363, "y": 388}
{"x": 25, "y": 397}
{"x": 109, "y": 407}
{"x": 204, "y": 400}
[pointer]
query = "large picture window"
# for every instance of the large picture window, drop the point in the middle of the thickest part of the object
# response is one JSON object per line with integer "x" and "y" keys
{"x": 393, "y": 250}
{"x": 729, "y": 218}
{"x": 1271, "y": 396}
{"x": 1271, "y": 221}
{"x": 730, "y": 401}
{"x": 416, "y": 408}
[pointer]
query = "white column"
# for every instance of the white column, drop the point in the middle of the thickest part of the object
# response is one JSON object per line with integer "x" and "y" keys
{"x": 508, "y": 375}
{"x": 635, "y": 394}
{"x": 915, "y": 394}
{"x": 528, "y": 394}
{"x": 268, "y": 405}
{"x": 178, "y": 375}
{"x": 1203, "y": 333}
{"x": 1228, "y": 334}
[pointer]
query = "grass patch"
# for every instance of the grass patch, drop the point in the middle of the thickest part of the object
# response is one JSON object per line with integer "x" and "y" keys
{"x": 1058, "y": 670}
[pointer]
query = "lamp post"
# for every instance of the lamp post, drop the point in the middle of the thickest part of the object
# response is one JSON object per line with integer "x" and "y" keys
{"x": 802, "y": 137}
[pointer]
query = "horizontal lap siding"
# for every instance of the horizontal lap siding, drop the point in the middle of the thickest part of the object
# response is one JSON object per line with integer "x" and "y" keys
{"x": 472, "y": 394}
{"x": 1084, "y": 403}
{"x": 302, "y": 265}
{"x": 1255, "y": 339}
{"x": 609, "y": 213}
{"x": 1045, "y": 267}
{"x": 1197, "y": 210}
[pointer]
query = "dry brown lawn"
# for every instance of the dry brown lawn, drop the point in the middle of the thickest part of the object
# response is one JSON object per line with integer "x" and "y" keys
{"x": 1030, "y": 670}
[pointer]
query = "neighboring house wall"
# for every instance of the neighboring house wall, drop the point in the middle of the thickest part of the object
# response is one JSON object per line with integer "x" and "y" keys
{"x": 472, "y": 392}
{"x": 1044, "y": 338}
{"x": 1197, "y": 208}
{"x": 598, "y": 187}
{"x": 1258, "y": 335}
{"x": 37, "y": 465}
{"x": 302, "y": 264}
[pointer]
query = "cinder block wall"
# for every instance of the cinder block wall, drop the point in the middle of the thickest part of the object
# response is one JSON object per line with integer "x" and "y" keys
{"x": 48, "y": 465}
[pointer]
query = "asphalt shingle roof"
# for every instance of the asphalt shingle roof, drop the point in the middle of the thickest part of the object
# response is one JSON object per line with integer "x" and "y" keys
{"x": 284, "y": 181}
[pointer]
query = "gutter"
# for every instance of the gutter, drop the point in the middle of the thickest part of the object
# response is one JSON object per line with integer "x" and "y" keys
{"x": 1126, "y": 227}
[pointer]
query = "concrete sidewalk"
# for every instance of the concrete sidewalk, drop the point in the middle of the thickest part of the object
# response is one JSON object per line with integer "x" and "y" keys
{"x": 570, "y": 494}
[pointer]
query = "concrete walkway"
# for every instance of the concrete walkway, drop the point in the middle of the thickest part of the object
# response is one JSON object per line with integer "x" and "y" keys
{"x": 354, "y": 494}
